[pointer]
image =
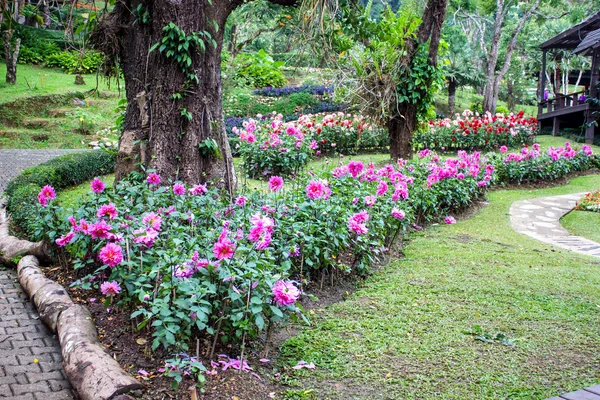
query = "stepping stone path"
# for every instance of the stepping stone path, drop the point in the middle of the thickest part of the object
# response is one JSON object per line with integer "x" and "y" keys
{"x": 540, "y": 219}
{"x": 30, "y": 356}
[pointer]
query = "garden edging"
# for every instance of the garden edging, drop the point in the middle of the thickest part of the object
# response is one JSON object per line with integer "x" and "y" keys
{"x": 93, "y": 373}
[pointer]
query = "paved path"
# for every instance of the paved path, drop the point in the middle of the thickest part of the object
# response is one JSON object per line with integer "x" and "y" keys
{"x": 13, "y": 162}
{"x": 30, "y": 357}
{"x": 540, "y": 219}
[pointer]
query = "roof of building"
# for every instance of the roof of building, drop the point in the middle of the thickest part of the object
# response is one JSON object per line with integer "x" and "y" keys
{"x": 591, "y": 41}
{"x": 572, "y": 37}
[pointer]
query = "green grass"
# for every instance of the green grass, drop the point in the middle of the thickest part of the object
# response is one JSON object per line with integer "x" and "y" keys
{"x": 70, "y": 198}
{"x": 583, "y": 223}
{"x": 35, "y": 81}
{"x": 30, "y": 124}
{"x": 400, "y": 335}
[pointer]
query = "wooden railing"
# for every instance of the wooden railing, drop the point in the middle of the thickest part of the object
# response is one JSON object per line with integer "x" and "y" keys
{"x": 562, "y": 101}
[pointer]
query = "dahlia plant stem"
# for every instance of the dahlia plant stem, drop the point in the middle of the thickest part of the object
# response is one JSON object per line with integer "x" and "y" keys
{"x": 244, "y": 335}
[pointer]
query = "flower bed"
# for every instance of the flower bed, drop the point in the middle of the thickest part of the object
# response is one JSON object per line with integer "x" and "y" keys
{"x": 486, "y": 132}
{"x": 190, "y": 263}
{"x": 591, "y": 202}
{"x": 319, "y": 90}
{"x": 271, "y": 147}
{"x": 532, "y": 165}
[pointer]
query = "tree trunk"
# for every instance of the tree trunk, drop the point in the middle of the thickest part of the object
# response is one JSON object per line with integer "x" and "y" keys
{"x": 156, "y": 132}
{"x": 403, "y": 121}
{"x": 494, "y": 77}
{"x": 451, "y": 96}
{"x": 11, "y": 55}
{"x": 401, "y": 129}
{"x": 510, "y": 98}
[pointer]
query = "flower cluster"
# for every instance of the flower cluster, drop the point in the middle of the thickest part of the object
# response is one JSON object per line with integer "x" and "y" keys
{"x": 590, "y": 202}
{"x": 532, "y": 165}
{"x": 319, "y": 90}
{"x": 469, "y": 132}
{"x": 271, "y": 147}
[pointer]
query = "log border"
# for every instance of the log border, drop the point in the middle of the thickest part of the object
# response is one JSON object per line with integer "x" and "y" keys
{"x": 93, "y": 373}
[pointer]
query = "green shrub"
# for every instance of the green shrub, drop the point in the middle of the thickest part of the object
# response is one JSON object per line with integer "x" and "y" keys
{"x": 476, "y": 107}
{"x": 258, "y": 70}
{"x": 502, "y": 110}
{"x": 72, "y": 62}
{"x": 61, "y": 172}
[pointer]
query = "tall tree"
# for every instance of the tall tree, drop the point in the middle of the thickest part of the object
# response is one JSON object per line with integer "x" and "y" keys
{"x": 495, "y": 74}
{"x": 394, "y": 66}
{"x": 11, "y": 42}
{"x": 170, "y": 52}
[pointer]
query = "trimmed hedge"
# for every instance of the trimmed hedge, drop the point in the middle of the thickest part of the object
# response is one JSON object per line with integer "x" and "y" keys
{"x": 61, "y": 172}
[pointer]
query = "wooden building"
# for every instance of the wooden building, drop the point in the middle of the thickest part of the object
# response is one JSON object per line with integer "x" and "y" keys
{"x": 573, "y": 109}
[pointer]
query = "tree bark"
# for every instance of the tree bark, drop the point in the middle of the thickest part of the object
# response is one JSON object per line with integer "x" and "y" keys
{"x": 156, "y": 135}
{"x": 11, "y": 55}
{"x": 403, "y": 123}
{"x": 492, "y": 87}
{"x": 451, "y": 96}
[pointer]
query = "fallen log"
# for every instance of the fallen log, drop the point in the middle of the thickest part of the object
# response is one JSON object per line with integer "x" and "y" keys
{"x": 11, "y": 248}
{"x": 93, "y": 373}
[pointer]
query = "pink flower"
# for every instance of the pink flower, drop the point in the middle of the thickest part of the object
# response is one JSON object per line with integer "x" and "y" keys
{"x": 503, "y": 149}
{"x": 241, "y": 201}
{"x": 97, "y": 186}
{"x": 65, "y": 239}
{"x": 99, "y": 230}
{"x": 110, "y": 288}
{"x": 355, "y": 168}
{"x": 199, "y": 190}
{"x": 178, "y": 189}
{"x": 285, "y": 293}
{"x": 153, "y": 178}
{"x": 111, "y": 255}
{"x": 382, "y": 188}
{"x": 397, "y": 213}
{"x": 357, "y": 223}
{"x": 370, "y": 201}
{"x": 146, "y": 237}
{"x": 42, "y": 200}
{"x": 587, "y": 150}
{"x": 276, "y": 183}
{"x": 450, "y": 220}
{"x": 223, "y": 249}
{"x": 152, "y": 220}
{"x": 315, "y": 189}
{"x": 107, "y": 209}
{"x": 48, "y": 191}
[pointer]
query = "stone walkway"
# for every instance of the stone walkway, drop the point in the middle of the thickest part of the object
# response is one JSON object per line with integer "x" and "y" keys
{"x": 13, "y": 162}
{"x": 30, "y": 356}
{"x": 540, "y": 219}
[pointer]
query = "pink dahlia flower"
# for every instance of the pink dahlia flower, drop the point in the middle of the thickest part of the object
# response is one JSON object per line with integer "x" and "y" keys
{"x": 397, "y": 213}
{"x": 450, "y": 220}
{"x": 107, "y": 209}
{"x": 111, "y": 255}
{"x": 65, "y": 239}
{"x": 276, "y": 183}
{"x": 179, "y": 189}
{"x": 153, "y": 178}
{"x": 97, "y": 186}
{"x": 110, "y": 288}
{"x": 285, "y": 293}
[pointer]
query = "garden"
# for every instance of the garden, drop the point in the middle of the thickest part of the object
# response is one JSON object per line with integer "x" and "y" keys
{"x": 318, "y": 227}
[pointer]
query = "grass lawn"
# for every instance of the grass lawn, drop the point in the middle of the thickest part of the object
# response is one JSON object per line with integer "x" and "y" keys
{"x": 583, "y": 223}
{"x": 401, "y": 335}
{"x": 35, "y": 80}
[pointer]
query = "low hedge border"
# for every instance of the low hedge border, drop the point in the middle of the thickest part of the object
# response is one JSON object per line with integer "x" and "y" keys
{"x": 61, "y": 172}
